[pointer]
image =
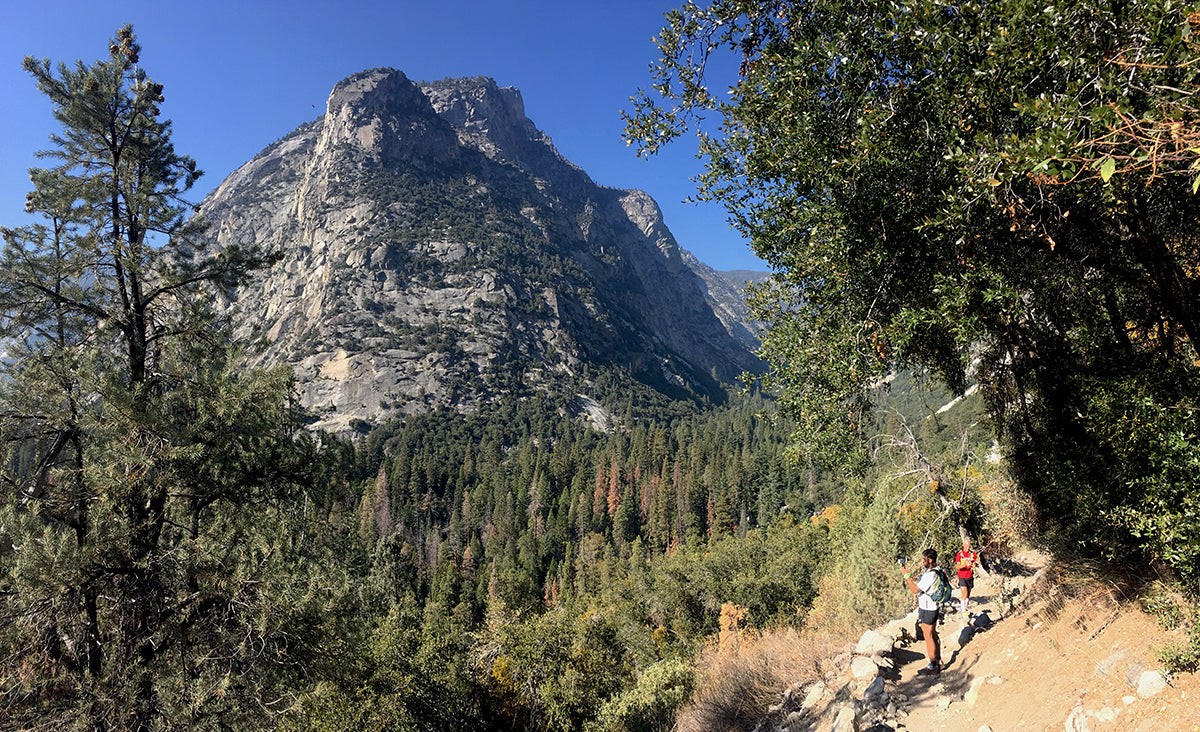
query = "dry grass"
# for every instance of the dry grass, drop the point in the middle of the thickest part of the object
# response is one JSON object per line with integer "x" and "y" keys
{"x": 1092, "y": 593}
{"x": 748, "y": 671}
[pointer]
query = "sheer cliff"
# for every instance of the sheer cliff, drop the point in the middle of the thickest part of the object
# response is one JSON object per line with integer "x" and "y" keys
{"x": 438, "y": 251}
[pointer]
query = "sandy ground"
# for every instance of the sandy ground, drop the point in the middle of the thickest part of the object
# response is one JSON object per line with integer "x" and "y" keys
{"x": 1050, "y": 665}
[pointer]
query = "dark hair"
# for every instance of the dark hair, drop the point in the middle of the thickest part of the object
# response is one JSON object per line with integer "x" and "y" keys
{"x": 931, "y": 553}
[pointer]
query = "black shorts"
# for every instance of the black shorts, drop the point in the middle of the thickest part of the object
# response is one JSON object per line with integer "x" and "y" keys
{"x": 968, "y": 582}
{"x": 927, "y": 617}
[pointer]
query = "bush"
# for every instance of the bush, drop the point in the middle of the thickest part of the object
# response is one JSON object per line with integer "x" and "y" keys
{"x": 651, "y": 704}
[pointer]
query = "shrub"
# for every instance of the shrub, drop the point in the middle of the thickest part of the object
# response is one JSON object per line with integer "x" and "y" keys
{"x": 651, "y": 704}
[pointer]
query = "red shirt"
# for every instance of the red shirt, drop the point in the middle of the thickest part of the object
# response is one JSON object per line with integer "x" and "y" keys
{"x": 969, "y": 571}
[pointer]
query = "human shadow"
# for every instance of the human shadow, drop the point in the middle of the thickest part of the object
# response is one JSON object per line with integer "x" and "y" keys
{"x": 900, "y": 657}
{"x": 981, "y": 623}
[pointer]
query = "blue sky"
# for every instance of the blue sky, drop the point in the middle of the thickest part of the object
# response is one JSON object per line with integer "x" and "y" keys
{"x": 240, "y": 74}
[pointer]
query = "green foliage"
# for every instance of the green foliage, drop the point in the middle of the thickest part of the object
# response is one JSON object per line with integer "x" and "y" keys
{"x": 651, "y": 704}
{"x": 580, "y": 561}
{"x": 552, "y": 671}
{"x": 155, "y": 499}
{"x": 993, "y": 187}
{"x": 403, "y": 673}
{"x": 1174, "y": 612}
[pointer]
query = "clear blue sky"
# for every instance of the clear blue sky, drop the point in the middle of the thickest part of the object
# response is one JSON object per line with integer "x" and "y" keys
{"x": 240, "y": 74}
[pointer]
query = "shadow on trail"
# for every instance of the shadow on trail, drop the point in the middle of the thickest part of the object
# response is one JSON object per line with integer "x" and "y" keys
{"x": 981, "y": 623}
{"x": 1009, "y": 567}
{"x": 956, "y": 676}
{"x": 900, "y": 657}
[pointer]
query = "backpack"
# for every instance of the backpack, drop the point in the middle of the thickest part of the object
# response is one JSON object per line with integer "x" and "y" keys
{"x": 941, "y": 591}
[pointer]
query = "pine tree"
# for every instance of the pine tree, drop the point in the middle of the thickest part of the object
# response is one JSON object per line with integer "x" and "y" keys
{"x": 614, "y": 487}
{"x": 148, "y": 525}
{"x": 381, "y": 505}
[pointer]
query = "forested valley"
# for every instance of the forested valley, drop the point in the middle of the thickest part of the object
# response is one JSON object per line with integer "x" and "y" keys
{"x": 982, "y": 322}
{"x": 180, "y": 549}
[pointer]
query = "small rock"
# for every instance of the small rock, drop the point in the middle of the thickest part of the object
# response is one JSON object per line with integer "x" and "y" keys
{"x": 1134, "y": 674}
{"x": 944, "y": 703}
{"x": 845, "y": 720}
{"x": 995, "y": 680}
{"x": 986, "y": 728}
{"x": 1128, "y": 699}
{"x": 972, "y": 695}
{"x": 1151, "y": 683}
{"x": 1076, "y": 721}
{"x": 793, "y": 718}
{"x": 1109, "y": 665}
{"x": 815, "y": 694}
{"x": 1107, "y": 714}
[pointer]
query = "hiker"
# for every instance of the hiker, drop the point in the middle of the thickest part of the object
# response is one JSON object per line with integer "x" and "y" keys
{"x": 965, "y": 562}
{"x": 927, "y": 609}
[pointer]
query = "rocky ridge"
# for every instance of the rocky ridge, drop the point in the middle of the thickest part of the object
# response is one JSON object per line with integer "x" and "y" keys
{"x": 437, "y": 251}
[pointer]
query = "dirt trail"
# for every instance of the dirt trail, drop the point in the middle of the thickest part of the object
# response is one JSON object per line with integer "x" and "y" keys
{"x": 1047, "y": 665}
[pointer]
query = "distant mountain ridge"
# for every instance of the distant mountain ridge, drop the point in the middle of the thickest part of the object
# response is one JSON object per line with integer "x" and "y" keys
{"x": 438, "y": 251}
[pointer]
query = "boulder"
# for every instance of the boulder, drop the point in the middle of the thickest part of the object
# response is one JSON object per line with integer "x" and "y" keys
{"x": 862, "y": 667}
{"x": 874, "y": 643}
{"x": 874, "y": 691}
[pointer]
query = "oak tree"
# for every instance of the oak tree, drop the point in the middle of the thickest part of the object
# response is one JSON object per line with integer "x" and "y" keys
{"x": 1003, "y": 191}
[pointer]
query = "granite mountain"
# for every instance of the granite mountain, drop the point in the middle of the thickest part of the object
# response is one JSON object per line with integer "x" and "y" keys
{"x": 436, "y": 250}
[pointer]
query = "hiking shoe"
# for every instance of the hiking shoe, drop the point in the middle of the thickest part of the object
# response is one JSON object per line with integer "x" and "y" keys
{"x": 932, "y": 668}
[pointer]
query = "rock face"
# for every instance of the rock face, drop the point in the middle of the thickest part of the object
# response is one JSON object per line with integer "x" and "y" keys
{"x": 438, "y": 251}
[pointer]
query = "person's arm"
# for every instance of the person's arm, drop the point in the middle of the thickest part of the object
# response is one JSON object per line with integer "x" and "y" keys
{"x": 912, "y": 582}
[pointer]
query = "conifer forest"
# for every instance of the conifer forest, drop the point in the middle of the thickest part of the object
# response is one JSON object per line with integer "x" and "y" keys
{"x": 981, "y": 321}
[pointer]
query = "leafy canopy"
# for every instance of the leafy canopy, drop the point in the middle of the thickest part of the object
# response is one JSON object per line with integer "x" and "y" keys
{"x": 999, "y": 190}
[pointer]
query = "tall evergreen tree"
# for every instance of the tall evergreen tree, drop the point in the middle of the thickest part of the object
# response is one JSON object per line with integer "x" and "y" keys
{"x": 144, "y": 512}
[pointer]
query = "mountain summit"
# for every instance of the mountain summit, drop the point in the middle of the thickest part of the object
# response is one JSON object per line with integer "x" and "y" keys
{"x": 438, "y": 251}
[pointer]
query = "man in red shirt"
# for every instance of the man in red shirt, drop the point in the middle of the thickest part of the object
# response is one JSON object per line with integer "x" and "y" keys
{"x": 965, "y": 561}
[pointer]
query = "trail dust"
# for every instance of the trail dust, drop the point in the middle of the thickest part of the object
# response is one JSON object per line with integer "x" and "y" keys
{"x": 1040, "y": 662}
